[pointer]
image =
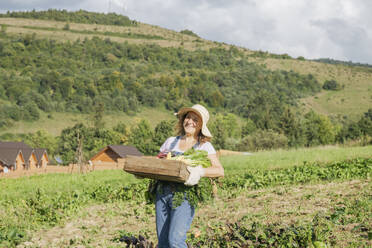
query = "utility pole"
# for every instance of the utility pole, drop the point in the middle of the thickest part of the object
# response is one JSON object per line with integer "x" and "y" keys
{"x": 79, "y": 152}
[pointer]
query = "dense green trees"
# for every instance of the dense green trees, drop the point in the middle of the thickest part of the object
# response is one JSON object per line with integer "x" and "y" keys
{"x": 312, "y": 129}
{"x": 73, "y": 76}
{"x": 97, "y": 76}
{"x": 92, "y": 140}
{"x": 80, "y": 16}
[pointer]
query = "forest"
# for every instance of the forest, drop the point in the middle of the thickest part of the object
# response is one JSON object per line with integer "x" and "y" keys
{"x": 98, "y": 76}
{"x": 80, "y": 16}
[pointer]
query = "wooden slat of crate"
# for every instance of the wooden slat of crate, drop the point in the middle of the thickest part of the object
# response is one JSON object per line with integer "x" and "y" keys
{"x": 151, "y": 167}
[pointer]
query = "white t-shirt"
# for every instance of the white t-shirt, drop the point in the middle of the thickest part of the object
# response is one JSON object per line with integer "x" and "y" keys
{"x": 206, "y": 146}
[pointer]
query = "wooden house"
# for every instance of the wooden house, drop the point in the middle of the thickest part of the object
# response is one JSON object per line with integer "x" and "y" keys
{"x": 110, "y": 154}
{"x": 42, "y": 157}
{"x": 12, "y": 158}
{"x": 30, "y": 158}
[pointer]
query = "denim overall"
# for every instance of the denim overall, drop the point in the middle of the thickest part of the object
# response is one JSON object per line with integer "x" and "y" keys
{"x": 172, "y": 224}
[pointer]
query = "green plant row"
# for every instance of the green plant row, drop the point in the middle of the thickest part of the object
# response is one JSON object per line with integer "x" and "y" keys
{"x": 319, "y": 232}
{"x": 309, "y": 172}
{"x": 243, "y": 233}
{"x": 43, "y": 209}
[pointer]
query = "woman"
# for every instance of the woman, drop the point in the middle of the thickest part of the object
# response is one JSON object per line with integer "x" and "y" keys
{"x": 172, "y": 223}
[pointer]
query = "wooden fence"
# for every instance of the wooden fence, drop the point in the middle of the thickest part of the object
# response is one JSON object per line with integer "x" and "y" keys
{"x": 71, "y": 168}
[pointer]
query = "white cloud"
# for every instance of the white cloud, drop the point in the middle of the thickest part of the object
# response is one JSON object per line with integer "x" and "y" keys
{"x": 339, "y": 29}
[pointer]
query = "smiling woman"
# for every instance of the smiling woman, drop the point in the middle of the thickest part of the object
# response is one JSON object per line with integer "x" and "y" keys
{"x": 173, "y": 222}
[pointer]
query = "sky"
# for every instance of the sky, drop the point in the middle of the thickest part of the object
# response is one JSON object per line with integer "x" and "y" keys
{"x": 337, "y": 29}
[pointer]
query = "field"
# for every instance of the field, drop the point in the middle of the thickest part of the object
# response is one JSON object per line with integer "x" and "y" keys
{"x": 59, "y": 121}
{"x": 302, "y": 200}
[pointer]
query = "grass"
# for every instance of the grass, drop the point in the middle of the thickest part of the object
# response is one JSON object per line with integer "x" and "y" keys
{"x": 59, "y": 121}
{"x": 351, "y": 101}
{"x": 267, "y": 160}
{"x": 107, "y": 33}
{"x": 140, "y": 34}
{"x": 51, "y": 184}
{"x": 81, "y": 219}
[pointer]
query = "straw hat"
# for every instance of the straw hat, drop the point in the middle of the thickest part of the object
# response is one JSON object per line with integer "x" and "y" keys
{"x": 202, "y": 113}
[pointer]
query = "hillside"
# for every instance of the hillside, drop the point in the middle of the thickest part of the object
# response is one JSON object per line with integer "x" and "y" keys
{"x": 56, "y": 72}
{"x": 352, "y": 101}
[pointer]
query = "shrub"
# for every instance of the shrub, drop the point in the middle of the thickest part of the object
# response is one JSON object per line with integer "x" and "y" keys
{"x": 263, "y": 140}
{"x": 332, "y": 85}
{"x": 189, "y": 32}
{"x": 3, "y": 28}
{"x": 66, "y": 27}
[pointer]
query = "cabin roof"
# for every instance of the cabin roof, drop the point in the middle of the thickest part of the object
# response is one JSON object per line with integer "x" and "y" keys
{"x": 8, "y": 156}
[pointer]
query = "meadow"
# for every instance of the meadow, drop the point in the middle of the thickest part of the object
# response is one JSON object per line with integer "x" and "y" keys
{"x": 53, "y": 123}
{"x": 311, "y": 197}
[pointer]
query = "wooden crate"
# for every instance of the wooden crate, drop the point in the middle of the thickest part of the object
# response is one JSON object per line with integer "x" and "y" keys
{"x": 152, "y": 167}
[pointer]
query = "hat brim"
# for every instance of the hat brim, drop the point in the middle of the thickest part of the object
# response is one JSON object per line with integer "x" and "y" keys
{"x": 204, "y": 130}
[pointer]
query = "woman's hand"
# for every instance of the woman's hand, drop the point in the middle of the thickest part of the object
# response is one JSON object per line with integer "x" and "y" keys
{"x": 195, "y": 174}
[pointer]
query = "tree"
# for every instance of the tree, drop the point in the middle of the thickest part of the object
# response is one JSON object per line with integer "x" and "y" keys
{"x": 31, "y": 112}
{"x": 248, "y": 128}
{"x": 216, "y": 98}
{"x": 42, "y": 139}
{"x": 141, "y": 137}
{"x": 97, "y": 139}
{"x": 122, "y": 129}
{"x": 219, "y": 131}
{"x": 68, "y": 144}
{"x": 162, "y": 131}
{"x": 365, "y": 123}
{"x": 263, "y": 140}
{"x": 99, "y": 109}
{"x": 319, "y": 130}
{"x": 289, "y": 125}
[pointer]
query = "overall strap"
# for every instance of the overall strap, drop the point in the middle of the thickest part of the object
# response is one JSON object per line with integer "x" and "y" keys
{"x": 174, "y": 143}
{"x": 196, "y": 145}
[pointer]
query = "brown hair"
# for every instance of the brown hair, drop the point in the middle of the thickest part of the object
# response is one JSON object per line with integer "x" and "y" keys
{"x": 181, "y": 131}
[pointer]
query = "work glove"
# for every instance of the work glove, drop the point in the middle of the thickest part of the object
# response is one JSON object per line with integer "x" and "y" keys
{"x": 195, "y": 174}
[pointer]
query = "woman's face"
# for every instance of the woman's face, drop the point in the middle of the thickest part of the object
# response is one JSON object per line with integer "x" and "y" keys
{"x": 192, "y": 123}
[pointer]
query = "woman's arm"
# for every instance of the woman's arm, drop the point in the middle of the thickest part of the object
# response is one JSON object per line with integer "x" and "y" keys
{"x": 216, "y": 170}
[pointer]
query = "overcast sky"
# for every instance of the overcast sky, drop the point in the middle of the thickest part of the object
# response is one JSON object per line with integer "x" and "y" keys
{"x": 338, "y": 29}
